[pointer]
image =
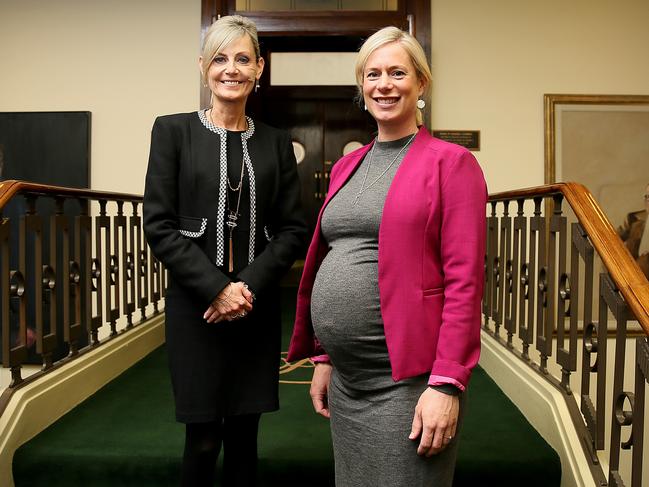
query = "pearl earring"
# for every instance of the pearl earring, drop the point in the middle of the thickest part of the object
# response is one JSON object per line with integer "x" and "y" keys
{"x": 421, "y": 104}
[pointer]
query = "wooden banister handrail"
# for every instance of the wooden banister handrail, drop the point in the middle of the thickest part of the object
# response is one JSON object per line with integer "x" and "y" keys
{"x": 92, "y": 267}
{"x": 10, "y": 187}
{"x": 548, "y": 302}
{"x": 628, "y": 277}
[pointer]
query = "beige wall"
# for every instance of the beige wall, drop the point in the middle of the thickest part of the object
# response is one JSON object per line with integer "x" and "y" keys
{"x": 128, "y": 61}
{"x": 125, "y": 61}
{"x": 493, "y": 61}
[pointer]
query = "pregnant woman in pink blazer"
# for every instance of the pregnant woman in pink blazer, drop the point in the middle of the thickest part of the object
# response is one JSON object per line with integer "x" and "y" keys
{"x": 389, "y": 301}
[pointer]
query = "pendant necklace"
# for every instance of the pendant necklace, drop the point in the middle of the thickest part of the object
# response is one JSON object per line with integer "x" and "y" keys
{"x": 369, "y": 163}
{"x": 222, "y": 210}
{"x": 233, "y": 215}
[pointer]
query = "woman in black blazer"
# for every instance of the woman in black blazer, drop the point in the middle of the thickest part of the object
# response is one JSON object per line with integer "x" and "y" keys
{"x": 222, "y": 213}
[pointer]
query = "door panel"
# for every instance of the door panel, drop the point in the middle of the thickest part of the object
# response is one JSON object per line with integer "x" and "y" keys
{"x": 303, "y": 120}
{"x": 344, "y": 123}
{"x": 323, "y": 127}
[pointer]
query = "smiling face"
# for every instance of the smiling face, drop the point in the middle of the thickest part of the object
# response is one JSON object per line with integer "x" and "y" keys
{"x": 233, "y": 72}
{"x": 390, "y": 90}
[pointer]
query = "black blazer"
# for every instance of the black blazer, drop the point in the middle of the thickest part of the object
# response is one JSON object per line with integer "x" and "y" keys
{"x": 181, "y": 194}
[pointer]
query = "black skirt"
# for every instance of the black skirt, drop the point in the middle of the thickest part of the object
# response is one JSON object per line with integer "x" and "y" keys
{"x": 222, "y": 369}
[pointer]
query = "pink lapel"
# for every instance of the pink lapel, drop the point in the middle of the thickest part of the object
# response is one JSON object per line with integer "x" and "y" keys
{"x": 347, "y": 165}
{"x": 410, "y": 161}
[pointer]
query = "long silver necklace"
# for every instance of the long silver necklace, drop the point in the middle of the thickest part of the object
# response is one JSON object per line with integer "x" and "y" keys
{"x": 369, "y": 163}
{"x": 223, "y": 185}
{"x": 233, "y": 215}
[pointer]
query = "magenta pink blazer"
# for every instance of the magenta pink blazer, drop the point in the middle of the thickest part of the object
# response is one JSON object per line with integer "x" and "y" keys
{"x": 431, "y": 262}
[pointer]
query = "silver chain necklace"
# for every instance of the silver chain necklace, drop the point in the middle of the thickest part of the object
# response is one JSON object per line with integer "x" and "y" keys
{"x": 369, "y": 163}
{"x": 238, "y": 187}
{"x": 224, "y": 183}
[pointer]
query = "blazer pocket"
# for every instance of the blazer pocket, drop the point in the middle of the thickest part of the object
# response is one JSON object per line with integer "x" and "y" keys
{"x": 192, "y": 227}
{"x": 267, "y": 234}
{"x": 433, "y": 291}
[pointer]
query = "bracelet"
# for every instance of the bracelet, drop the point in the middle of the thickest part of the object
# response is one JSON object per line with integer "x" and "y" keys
{"x": 448, "y": 389}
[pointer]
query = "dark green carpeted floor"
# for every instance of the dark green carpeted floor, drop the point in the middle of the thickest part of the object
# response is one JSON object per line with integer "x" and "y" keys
{"x": 125, "y": 434}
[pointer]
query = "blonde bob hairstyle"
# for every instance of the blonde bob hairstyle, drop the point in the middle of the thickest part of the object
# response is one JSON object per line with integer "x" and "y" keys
{"x": 388, "y": 35}
{"x": 223, "y": 32}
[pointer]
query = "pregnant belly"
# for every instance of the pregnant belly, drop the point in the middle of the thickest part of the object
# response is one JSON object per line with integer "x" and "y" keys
{"x": 346, "y": 313}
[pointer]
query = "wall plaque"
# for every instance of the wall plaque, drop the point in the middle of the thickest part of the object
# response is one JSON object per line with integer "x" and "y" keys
{"x": 466, "y": 138}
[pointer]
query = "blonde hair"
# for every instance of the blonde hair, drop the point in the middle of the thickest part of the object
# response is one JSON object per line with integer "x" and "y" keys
{"x": 388, "y": 35}
{"x": 223, "y": 32}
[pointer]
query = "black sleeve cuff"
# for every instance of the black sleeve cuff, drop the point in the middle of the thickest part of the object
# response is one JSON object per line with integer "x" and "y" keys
{"x": 448, "y": 389}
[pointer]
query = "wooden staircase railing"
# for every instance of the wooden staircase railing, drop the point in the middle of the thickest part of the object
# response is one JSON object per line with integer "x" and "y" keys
{"x": 71, "y": 262}
{"x": 555, "y": 296}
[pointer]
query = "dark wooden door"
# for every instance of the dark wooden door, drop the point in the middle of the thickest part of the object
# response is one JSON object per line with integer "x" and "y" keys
{"x": 323, "y": 127}
{"x": 298, "y": 29}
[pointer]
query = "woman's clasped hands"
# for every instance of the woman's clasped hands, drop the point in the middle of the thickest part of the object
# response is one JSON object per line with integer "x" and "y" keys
{"x": 233, "y": 302}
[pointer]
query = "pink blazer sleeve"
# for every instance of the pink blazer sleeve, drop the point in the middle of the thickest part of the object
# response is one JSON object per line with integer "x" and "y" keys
{"x": 462, "y": 249}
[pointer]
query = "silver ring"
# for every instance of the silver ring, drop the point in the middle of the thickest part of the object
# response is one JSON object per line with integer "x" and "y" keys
{"x": 448, "y": 437}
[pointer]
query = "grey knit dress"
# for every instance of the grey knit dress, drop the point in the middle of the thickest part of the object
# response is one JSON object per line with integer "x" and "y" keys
{"x": 371, "y": 415}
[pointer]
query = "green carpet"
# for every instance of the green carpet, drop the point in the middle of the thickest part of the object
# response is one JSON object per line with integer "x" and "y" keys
{"x": 125, "y": 435}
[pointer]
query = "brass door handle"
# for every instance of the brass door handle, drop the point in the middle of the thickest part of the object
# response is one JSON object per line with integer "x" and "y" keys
{"x": 317, "y": 176}
{"x": 325, "y": 184}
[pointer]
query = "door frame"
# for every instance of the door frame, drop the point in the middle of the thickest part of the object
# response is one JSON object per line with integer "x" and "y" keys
{"x": 411, "y": 15}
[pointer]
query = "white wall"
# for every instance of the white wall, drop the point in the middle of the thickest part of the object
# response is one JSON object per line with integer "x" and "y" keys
{"x": 125, "y": 61}
{"x": 494, "y": 60}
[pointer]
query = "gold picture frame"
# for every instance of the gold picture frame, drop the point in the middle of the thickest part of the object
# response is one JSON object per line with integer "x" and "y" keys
{"x": 551, "y": 103}
{"x": 601, "y": 141}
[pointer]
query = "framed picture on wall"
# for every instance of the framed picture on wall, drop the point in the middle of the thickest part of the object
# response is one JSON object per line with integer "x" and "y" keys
{"x": 602, "y": 142}
{"x": 46, "y": 147}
